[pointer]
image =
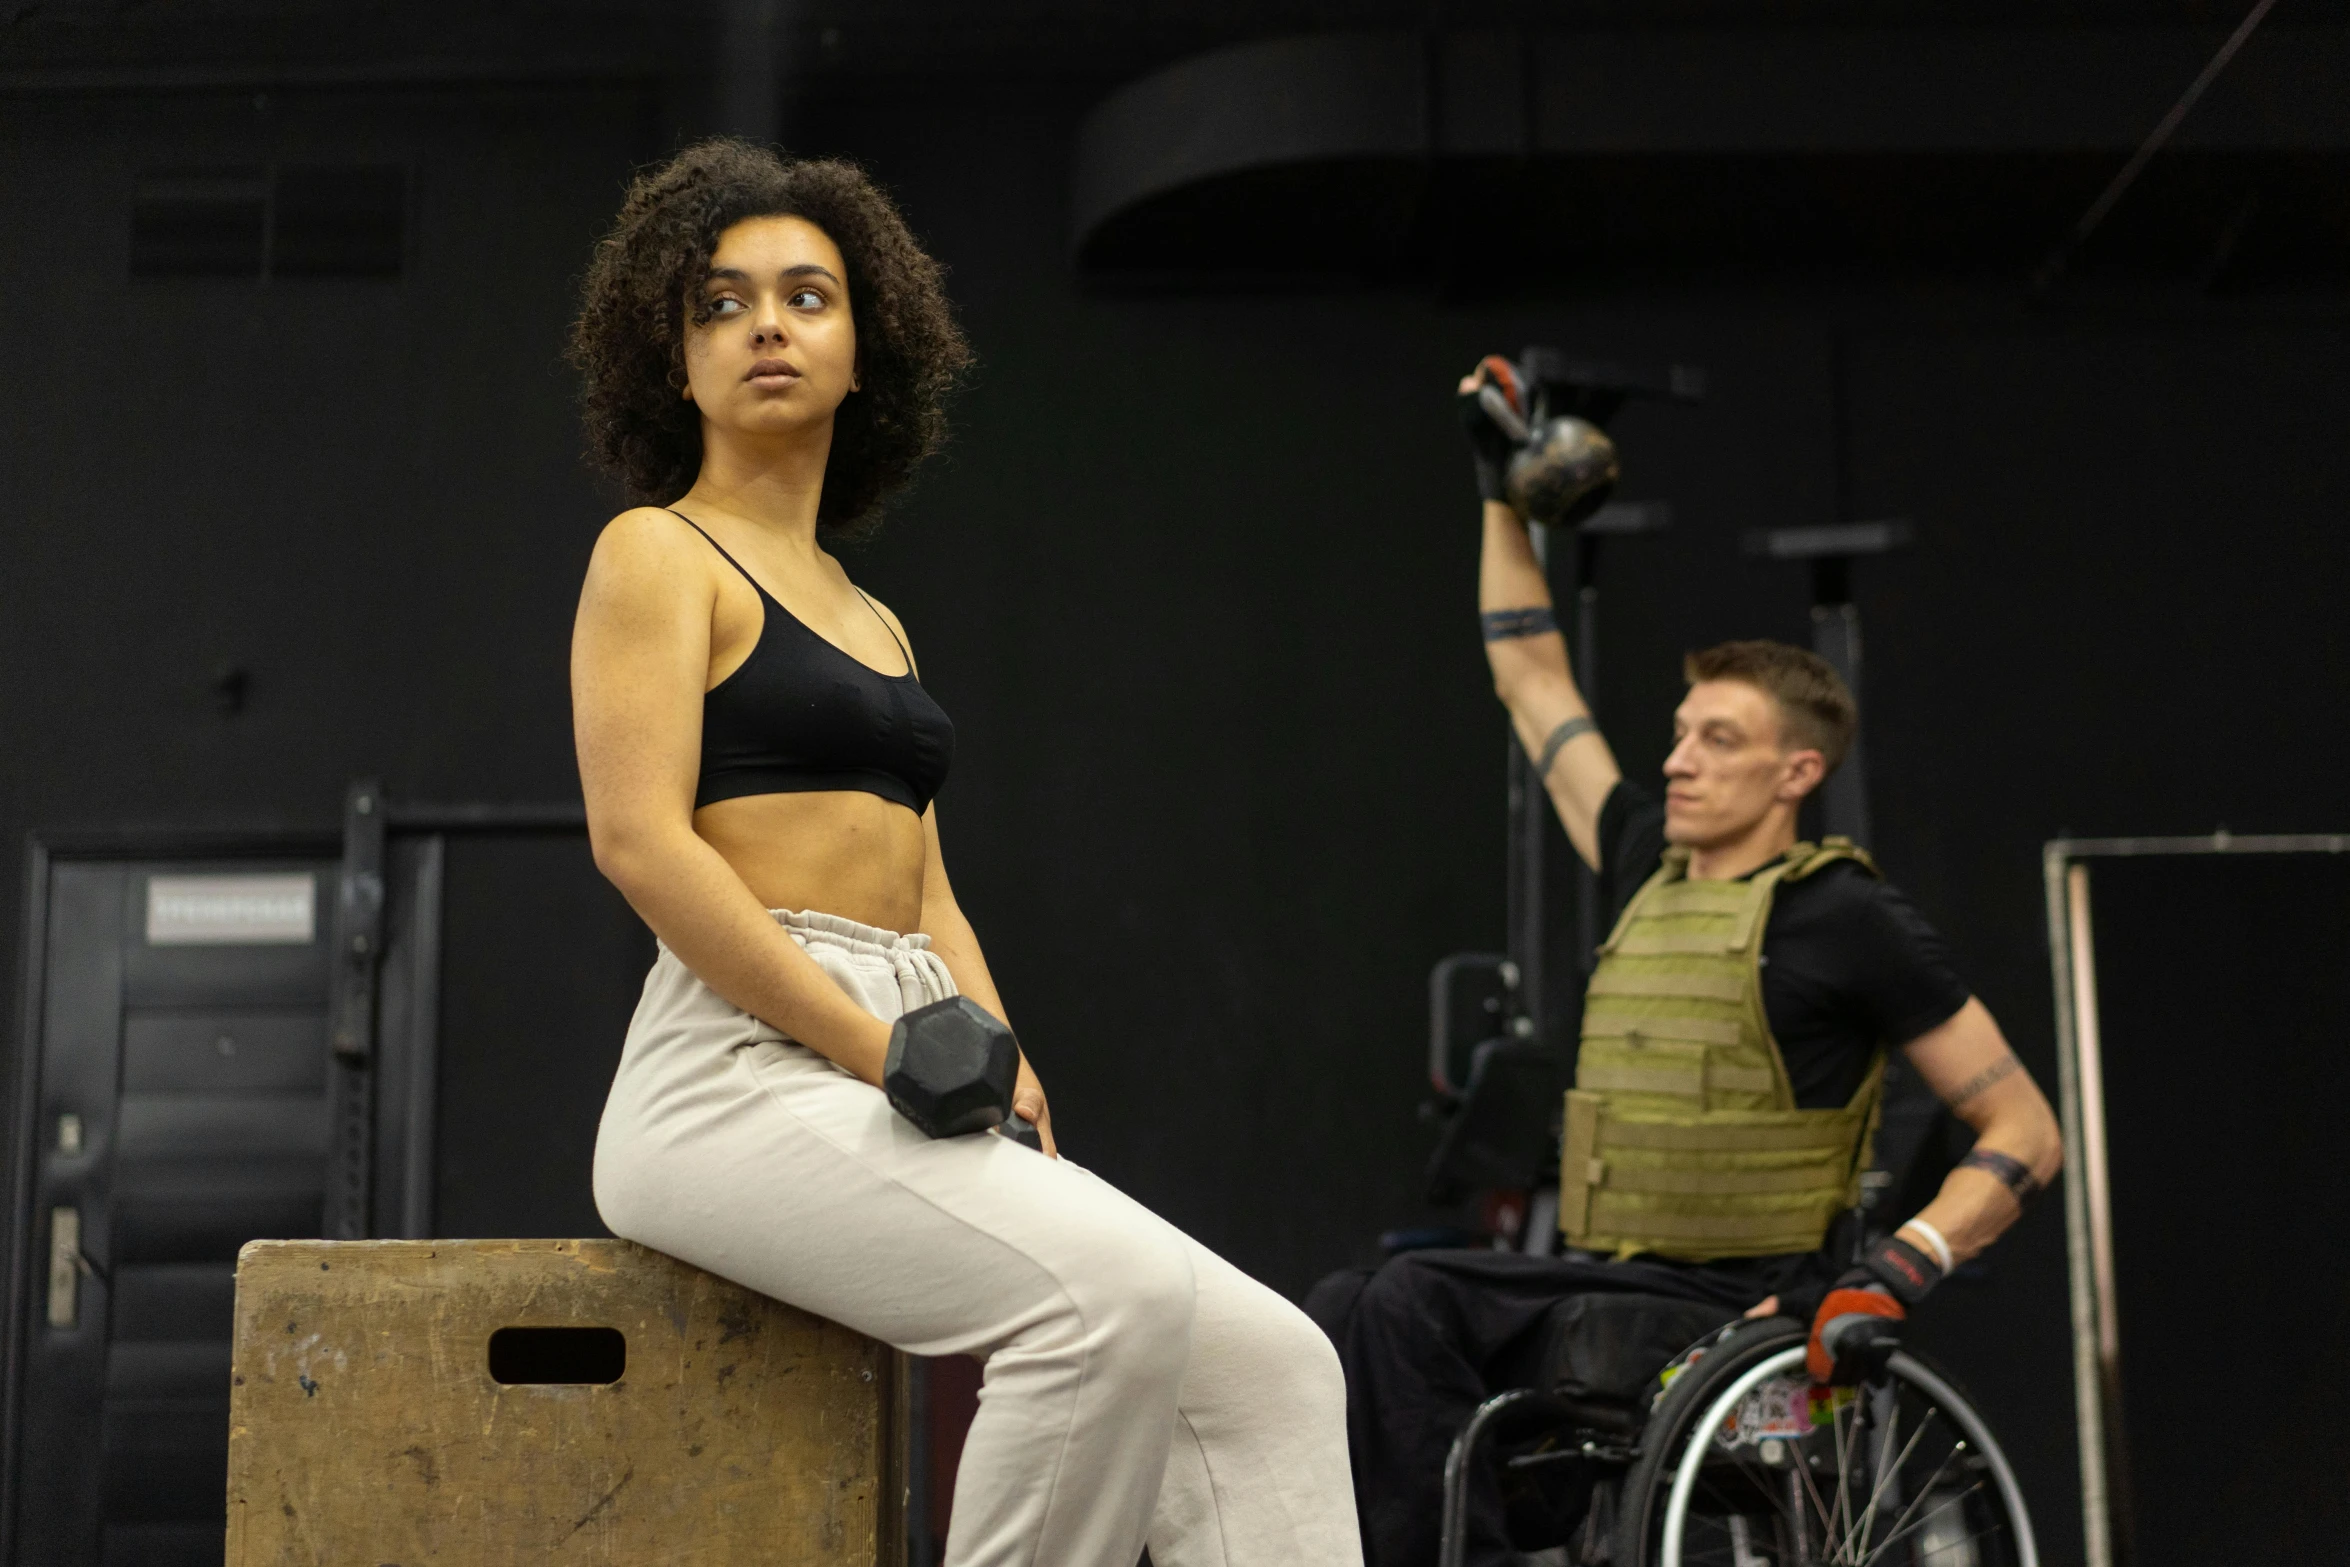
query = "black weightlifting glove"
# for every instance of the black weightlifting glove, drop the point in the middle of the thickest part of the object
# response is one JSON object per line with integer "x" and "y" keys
{"x": 1858, "y": 1326}
{"x": 1490, "y": 446}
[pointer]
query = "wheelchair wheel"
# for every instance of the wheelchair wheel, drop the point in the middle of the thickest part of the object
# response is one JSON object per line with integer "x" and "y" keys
{"x": 1734, "y": 1471}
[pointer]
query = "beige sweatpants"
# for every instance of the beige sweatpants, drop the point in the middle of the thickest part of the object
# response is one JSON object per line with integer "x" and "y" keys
{"x": 1138, "y": 1387}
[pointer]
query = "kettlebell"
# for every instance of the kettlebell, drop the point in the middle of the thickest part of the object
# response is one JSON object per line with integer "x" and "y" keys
{"x": 1564, "y": 469}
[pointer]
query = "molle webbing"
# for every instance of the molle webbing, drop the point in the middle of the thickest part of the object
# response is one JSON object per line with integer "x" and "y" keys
{"x": 1682, "y": 1133}
{"x": 1731, "y": 1184}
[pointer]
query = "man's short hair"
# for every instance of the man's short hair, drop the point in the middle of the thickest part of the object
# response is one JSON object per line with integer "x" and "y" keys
{"x": 1816, "y": 707}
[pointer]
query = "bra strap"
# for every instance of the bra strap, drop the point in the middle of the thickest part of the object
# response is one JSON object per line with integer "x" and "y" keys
{"x": 721, "y": 549}
{"x": 885, "y": 625}
{"x": 763, "y": 593}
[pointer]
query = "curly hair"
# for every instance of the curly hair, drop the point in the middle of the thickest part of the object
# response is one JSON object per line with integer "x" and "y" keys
{"x": 628, "y": 344}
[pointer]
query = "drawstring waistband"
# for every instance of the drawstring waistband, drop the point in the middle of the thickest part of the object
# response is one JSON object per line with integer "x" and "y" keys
{"x": 921, "y": 974}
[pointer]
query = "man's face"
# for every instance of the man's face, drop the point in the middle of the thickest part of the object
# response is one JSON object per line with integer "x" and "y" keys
{"x": 1729, "y": 766}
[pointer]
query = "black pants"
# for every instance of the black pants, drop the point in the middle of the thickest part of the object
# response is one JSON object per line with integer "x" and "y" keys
{"x": 1431, "y": 1335}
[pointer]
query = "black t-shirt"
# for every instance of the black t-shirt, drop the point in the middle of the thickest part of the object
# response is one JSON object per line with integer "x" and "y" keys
{"x": 1848, "y": 963}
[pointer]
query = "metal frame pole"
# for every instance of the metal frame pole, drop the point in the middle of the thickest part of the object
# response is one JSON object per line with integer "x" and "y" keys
{"x": 2088, "y": 1187}
{"x": 1527, "y": 891}
{"x": 2070, "y": 955}
{"x": 1587, "y": 916}
{"x": 1835, "y": 636}
{"x": 357, "y": 963}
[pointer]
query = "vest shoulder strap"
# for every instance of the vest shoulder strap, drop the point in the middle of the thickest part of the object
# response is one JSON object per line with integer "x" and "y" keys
{"x": 1805, "y": 858}
{"x": 1674, "y": 868}
{"x": 1800, "y": 860}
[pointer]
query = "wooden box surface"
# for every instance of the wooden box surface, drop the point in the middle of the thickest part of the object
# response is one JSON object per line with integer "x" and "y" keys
{"x": 365, "y": 1427}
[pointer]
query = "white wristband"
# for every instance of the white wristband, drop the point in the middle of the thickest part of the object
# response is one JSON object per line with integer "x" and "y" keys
{"x": 1933, "y": 1239}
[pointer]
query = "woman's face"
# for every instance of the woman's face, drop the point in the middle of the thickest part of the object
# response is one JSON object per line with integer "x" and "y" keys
{"x": 771, "y": 347}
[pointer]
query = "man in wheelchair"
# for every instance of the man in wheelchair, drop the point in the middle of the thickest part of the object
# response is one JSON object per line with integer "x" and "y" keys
{"x": 1726, "y": 1092}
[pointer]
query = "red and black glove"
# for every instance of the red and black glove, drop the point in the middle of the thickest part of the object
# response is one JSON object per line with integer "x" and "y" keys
{"x": 1490, "y": 445}
{"x": 1858, "y": 1326}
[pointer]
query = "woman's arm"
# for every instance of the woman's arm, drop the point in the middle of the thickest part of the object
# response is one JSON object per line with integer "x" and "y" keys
{"x": 640, "y": 660}
{"x": 957, "y": 945}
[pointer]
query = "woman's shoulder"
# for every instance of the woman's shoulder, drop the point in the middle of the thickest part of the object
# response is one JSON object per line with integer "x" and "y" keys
{"x": 649, "y": 539}
{"x": 653, "y": 528}
{"x": 646, "y": 554}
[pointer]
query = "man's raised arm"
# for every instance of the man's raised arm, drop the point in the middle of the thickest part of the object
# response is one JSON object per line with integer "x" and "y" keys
{"x": 1527, "y": 653}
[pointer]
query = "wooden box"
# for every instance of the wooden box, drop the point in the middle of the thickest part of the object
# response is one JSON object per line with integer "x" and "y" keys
{"x": 397, "y": 1403}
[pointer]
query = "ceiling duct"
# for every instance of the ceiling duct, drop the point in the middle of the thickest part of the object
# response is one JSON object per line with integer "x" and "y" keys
{"x": 1509, "y": 159}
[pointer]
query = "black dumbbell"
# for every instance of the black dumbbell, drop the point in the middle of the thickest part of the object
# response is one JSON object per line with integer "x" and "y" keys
{"x": 951, "y": 1069}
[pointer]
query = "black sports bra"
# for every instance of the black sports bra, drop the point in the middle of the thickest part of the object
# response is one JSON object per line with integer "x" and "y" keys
{"x": 801, "y": 715}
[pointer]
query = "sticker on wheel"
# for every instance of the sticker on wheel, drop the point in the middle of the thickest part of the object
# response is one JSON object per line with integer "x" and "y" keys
{"x": 1783, "y": 1409}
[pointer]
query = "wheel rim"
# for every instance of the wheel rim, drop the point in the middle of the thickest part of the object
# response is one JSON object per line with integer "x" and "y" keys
{"x": 1853, "y": 1521}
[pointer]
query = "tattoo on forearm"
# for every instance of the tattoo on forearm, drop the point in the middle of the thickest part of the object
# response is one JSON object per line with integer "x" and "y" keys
{"x": 2007, "y": 1169}
{"x": 2006, "y": 1066}
{"x": 1503, "y": 625}
{"x": 1551, "y": 747}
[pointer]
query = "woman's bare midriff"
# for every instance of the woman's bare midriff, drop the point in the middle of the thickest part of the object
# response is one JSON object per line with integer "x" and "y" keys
{"x": 838, "y": 852}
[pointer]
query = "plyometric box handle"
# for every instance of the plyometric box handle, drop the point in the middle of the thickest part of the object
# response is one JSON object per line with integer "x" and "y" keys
{"x": 569, "y": 1357}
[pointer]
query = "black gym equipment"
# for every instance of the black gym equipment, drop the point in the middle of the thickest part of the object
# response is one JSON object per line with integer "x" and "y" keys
{"x": 951, "y": 1069}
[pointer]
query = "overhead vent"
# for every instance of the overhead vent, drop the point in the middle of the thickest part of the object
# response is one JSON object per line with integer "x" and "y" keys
{"x": 1497, "y": 161}
{"x": 294, "y": 221}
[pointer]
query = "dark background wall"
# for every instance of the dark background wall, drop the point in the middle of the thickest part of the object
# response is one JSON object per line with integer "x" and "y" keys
{"x": 1195, "y": 580}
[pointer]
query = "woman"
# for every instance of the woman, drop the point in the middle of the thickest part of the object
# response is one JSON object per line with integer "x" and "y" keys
{"x": 765, "y": 349}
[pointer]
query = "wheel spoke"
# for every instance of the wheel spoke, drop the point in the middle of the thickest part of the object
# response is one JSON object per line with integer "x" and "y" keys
{"x": 1885, "y": 1474}
{"x": 1964, "y": 1539}
{"x": 1796, "y": 1459}
{"x": 1938, "y": 1511}
{"x": 1756, "y": 1477}
{"x": 1829, "y": 1543}
{"x": 1905, "y": 1525}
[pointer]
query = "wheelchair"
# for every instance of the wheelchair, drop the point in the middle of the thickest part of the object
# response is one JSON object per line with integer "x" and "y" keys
{"x": 1726, "y": 1457}
{"x": 1626, "y": 1453}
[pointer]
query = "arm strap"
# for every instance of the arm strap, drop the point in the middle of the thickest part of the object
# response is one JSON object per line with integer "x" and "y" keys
{"x": 1559, "y": 737}
{"x": 1503, "y": 625}
{"x": 2008, "y": 1170}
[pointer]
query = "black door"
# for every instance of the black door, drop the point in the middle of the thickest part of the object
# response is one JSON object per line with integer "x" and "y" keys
{"x": 195, "y": 1028}
{"x": 174, "y": 1106}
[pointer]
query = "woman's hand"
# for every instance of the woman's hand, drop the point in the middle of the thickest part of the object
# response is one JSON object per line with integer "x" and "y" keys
{"x": 1028, "y": 1103}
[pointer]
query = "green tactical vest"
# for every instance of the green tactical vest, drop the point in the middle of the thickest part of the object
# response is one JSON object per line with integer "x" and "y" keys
{"x": 1682, "y": 1135}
